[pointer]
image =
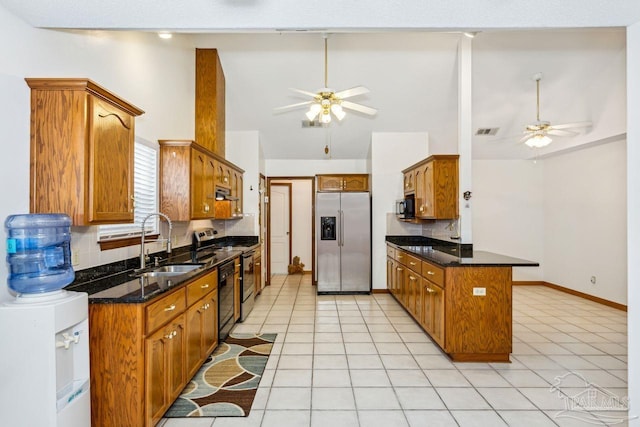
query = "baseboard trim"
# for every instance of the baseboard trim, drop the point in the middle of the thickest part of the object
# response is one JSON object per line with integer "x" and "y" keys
{"x": 593, "y": 298}
{"x": 528, "y": 283}
{"x": 380, "y": 291}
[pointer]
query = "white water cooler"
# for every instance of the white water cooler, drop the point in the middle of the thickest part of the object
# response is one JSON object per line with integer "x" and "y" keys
{"x": 44, "y": 360}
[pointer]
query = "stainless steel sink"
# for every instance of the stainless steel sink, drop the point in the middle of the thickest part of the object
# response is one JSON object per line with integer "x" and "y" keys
{"x": 176, "y": 268}
{"x": 160, "y": 273}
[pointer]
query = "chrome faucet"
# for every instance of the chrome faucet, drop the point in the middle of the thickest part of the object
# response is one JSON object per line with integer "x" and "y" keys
{"x": 143, "y": 260}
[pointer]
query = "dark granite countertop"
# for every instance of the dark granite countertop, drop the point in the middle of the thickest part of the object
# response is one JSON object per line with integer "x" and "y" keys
{"x": 120, "y": 283}
{"x": 429, "y": 250}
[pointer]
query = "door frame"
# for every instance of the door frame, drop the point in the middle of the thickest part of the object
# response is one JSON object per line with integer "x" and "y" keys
{"x": 313, "y": 220}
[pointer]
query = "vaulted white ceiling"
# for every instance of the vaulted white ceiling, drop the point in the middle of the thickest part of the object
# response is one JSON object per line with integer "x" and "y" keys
{"x": 404, "y": 52}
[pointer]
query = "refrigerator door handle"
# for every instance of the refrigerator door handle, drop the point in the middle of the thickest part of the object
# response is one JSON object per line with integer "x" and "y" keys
{"x": 341, "y": 228}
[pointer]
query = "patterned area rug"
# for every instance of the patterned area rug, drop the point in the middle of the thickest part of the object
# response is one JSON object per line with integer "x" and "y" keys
{"x": 227, "y": 382}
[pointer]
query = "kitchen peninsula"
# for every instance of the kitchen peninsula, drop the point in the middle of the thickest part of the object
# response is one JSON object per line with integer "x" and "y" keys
{"x": 460, "y": 297}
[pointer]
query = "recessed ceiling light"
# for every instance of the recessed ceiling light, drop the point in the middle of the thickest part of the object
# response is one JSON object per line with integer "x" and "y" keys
{"x": 165, "y": 35}
{"x": 470, "y": 34}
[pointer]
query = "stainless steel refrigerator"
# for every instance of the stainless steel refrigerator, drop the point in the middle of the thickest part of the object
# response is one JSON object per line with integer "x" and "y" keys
{"x": 343, "y": 242}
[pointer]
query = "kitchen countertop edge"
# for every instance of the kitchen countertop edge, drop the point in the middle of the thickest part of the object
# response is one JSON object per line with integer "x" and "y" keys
{"x": 477, "y": 258}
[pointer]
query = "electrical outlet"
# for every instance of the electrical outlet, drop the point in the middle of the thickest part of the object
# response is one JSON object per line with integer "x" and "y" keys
{"x": 479, "y": 292}
{"x": 593, "y": 280}
{"x": 75, "y": 257}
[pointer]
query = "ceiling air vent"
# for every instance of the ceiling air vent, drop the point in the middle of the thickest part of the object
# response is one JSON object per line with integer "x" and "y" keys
{"x": 487, "y": 131}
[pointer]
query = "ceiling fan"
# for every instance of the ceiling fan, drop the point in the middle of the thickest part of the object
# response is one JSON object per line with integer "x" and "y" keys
{"x": 326, "y": 101}
{"x": 537, "y": 133}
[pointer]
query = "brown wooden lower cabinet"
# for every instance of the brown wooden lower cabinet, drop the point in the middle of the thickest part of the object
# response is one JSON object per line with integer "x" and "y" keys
{"x": 142, "y": 355}
{"x": 468, "y": 327}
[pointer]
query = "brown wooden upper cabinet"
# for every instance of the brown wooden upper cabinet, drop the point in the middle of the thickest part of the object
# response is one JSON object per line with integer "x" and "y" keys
{"x": 210, "y": 101}
{"x": 343, "y": 182}
{"x": 434, "y": 182}
{"x": 82, "y": 145}
{"x": 189, "y": 176}
{"x": 409, "y": 184}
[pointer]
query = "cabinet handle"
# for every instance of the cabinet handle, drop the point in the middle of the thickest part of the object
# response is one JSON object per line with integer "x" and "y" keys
{"x": 399, "y": 268}
{"x": 430, "y": 290}
{"x": 206, "y": 208}
{"x": 412, "y": 278}
{"x": 171, "y": 334}
{"x": 205, "y": 286}
{"x": 412, "y": 263}
{"x": 170, "y": 308}
{"x": 257, "y": 264}
{"x": 400, "y": 256}
{"x": 430, "y": 273}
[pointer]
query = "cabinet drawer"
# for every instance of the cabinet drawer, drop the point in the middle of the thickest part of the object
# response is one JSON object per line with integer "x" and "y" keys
{"x": 401, "y": 256}
{"x": 433, "y": 273}
{"x": 164, "y": 310}
{"x": 202, "y": 286}
{"x": 413, "y": 263}
{"x": 391, "y": 252}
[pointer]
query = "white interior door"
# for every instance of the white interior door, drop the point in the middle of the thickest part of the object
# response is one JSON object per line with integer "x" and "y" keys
{"x": 280, "y": 227}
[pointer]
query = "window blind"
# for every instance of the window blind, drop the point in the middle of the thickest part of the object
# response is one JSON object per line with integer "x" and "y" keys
{"x": 145, "y": 178}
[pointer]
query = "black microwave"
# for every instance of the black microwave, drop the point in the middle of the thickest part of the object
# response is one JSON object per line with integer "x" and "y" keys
{"x": 406, "y": 208}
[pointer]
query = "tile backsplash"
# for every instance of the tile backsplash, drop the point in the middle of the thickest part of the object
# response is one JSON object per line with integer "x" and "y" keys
{"x": 86, "y": 251}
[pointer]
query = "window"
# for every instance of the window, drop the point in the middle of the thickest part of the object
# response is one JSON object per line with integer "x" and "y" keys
{"x": 145, "y": 179}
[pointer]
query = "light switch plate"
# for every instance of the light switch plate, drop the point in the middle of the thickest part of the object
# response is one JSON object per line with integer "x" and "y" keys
{"x": 479, "y": 292}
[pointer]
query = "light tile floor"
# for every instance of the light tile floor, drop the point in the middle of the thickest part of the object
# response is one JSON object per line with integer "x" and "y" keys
{"x": 344, "y": 361}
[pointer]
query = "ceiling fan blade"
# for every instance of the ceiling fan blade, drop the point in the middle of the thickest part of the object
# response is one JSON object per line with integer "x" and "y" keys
{"x": 347, "y": 93}
{"x": 572, "y": 125}
{"x": 524, "y": 138}
{"x": 304, "y": 92}
{"x": 291, "y": 106}
{"x": 357, "y": 107}
{"x": 558, "y": 132}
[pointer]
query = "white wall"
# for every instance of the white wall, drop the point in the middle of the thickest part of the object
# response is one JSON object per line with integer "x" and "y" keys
{"x": 278, "y": 167}
{"x": 144, "y": 70}
{"x": 633, "y": 213}
{"x": 585, "y": 220}
{"x": 242, "y": 149}
{"x": 302, "y": 201}
{"x": 390, "y": 153}
{"x": 508, "y": 214}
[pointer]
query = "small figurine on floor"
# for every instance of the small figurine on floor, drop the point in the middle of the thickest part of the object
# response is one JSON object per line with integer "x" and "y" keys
{"x": 297, "y": 267}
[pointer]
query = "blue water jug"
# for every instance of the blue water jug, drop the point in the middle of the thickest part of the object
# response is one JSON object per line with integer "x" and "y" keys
{"x": 38, "y": 252}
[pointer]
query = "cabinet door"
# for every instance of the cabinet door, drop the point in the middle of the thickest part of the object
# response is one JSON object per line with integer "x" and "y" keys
{"x": 438, "y": 298}
{"x": 412, "y": 281}
{"x": 111, "y": 146}
{"x": 419, "y": 190}
{"x": 329, "y": 183}
{"x": 400, "y": 288}
{"x": 409, "y": 182}
{"x": 194, "y": 322}
{"x": 209, "y": 324}
{"x": 428, "y": 207}
{"x": 223, "y": 175}
{"x": 202, "y": 185}
{"x": 257, "y": 271}
{"x": 164, "y": 368}
{"x": 155, "y": 355}
{"x": 391, "y": 270}
{"x": 175, "y": 197}
{"x": 433, "y": 299}
{"x": 175, "y": 362}
{"x": 236, "y": 192}
{"x": 355, "y": 183}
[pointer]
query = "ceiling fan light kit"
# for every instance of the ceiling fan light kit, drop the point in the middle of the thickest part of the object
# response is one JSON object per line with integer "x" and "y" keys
{"x": 537, "y": 133}
{"x": 327, "y": 103}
